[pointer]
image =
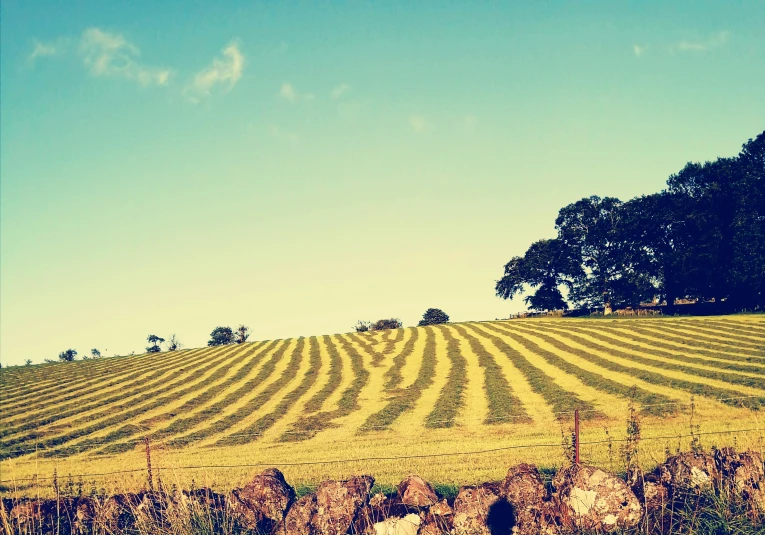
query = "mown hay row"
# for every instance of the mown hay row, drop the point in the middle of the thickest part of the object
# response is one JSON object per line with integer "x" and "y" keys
{"x": 558, "y": 398}
{"x": 256, "y": 430}
{"x": 671, "y": 344}
{"x": 695, "y": 339}
{"x": 189, "y": 385}
{"x": 335, "y": 374}
{"x": 647, "y": 398}
{"x": 731, "y": 331}
{"x": 452, "y": 395}
{"x": 348, "y": 402}
{"x": 750, "y": 376}
{"x": 404, "y": 399}
{"x": 651, "y": 402}
{"x": 504, "y": 405}
{"x": 393, "y": 375}
{"x": 234, "y": 383}
{"x": 74, "y": 404}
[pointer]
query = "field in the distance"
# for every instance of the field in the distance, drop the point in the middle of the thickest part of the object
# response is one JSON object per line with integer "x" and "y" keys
{"x": 408, "y": 400}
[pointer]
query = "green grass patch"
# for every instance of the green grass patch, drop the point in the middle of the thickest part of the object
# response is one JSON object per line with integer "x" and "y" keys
{"x": 642, "y": 396}
{"x": 335, "y": 378}
{"x": 452, "y": 396}
{"x": 404, "y": 399}
{"x": 393, "y": 375}
{"x": 560, "y": 399}
{"x": 349, "y": 399}
{"x": 503, "y": 404}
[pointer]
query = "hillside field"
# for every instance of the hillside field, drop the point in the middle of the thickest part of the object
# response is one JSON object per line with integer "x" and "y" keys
{"x": 456, "y": 403}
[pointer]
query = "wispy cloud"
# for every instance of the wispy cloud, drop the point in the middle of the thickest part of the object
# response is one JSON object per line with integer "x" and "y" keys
{"x": 110, "y": 54}
{"x": 47, "y": 49}
{"x": 639, "y": 50}
{"x": 224, "y": 72}
{"x": 290, "y": 93}
{"x": 340, "y": 90}
{"x": 714, "y": 41}
{"x": 418, "y": 123}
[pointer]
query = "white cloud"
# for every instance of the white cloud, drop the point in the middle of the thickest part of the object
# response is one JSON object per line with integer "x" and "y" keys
{"x": 341, "y": 89}
{"x": 109, "y": 54}
{"x": 224, "y": 71}
{"x": 639, "y": 50}
{"x": 290, "y": 93}
{"x": 714, "y": 41}
{"x": 418, "y": 123}
{"x": 47, "y": 49}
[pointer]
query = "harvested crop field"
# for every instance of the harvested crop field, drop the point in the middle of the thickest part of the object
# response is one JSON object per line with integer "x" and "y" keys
{"x": 456, "y": 403}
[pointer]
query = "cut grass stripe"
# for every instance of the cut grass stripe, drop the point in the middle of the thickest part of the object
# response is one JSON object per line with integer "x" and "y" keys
{"x": 743, "y": 380}
{"x": 405, "y": 399}
{"x": 79, "y": 406}
{"x": 335, "y": 378}
{"x": 620, "y": 344}
{"x": 560, "y": 399}
{"x": 143, "y": 427}
{"x": 651, "y": 402}
{"x": 715, "y": 393}
{"x": 348, "y": 402}
{"x": 54, "y": 446}
{"x": 697, "y": 339}
{"x": 503, "y": 404}
{"x": 452, "y": 396}
{"x": 109, "y": 407}
{"x": 265, "y": 422}
{"x": 180, "y": 425}
{"x": 223, "y": 424}
{"x": 757, "y": 335}
{"x": 718, "y": 335}
{"x": 670, "y": 345}
{"x": 393, "y": 375}
{"x": 54, "y": 395}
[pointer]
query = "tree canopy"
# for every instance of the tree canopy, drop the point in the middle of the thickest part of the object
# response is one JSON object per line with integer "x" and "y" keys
{"x": 433, "y": 316}
{"x": 221, "y": 336}
{"x": 703, "y": 237}
{"x": 67, "y": 356}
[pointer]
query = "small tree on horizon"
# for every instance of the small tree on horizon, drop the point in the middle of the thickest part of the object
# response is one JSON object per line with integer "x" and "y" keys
{"x": 433, "y": 316}
{"x": 242, "y": 334}
{"x": 174, "y": 344}
{"x": 67, "y": 356}
{"x": 221, "y": 336}
{"x": 95, "y": 353}
{"x": 362, "y": 326}
{"x": 155, "y": 341}
{"x": 28, "y": 362}
{"x": 385, "y": 324}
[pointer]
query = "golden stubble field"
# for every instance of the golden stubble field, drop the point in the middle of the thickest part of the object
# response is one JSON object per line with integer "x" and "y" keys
{"x": 457, "y": 404}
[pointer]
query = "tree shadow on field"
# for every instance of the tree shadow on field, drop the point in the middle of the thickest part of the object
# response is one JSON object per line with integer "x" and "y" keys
{"x": 501, "y": 518}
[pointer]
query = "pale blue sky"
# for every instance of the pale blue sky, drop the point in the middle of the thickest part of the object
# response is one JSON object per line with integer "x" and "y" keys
{"x": 168, "y": 167}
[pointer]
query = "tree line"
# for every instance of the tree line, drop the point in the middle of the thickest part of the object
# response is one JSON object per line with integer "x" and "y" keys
{"x": 702, "y": 238}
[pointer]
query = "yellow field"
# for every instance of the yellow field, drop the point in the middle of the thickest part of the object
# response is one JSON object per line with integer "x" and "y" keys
{"x": 456, "y": 403}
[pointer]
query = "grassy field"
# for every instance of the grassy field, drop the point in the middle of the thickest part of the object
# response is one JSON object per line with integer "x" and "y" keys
{"x": 457, "y": 403}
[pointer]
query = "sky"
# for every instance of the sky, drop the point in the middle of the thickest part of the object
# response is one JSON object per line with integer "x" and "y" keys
{"x": 168, "y": 167}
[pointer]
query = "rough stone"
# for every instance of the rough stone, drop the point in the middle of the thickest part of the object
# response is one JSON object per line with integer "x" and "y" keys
{"x": 266, "y": 499}
{"x": 338, "y": 503}
{"x": 481, "y": 510}
{"x": 299, "y": 517}
{"x": 589, "y": 498}
{"x": 744, "y": 474}
{"x": 525, "y": 489}
{"x": 407, "y": 525}
{"x": 689, "y": 471}
{"x": 441, "y": 508}
{"x": 416, "y": 492}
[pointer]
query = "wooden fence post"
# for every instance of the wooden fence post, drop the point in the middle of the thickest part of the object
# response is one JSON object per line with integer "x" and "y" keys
{"x": 576, "y": 436}
{"x": 148, "y": 462}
